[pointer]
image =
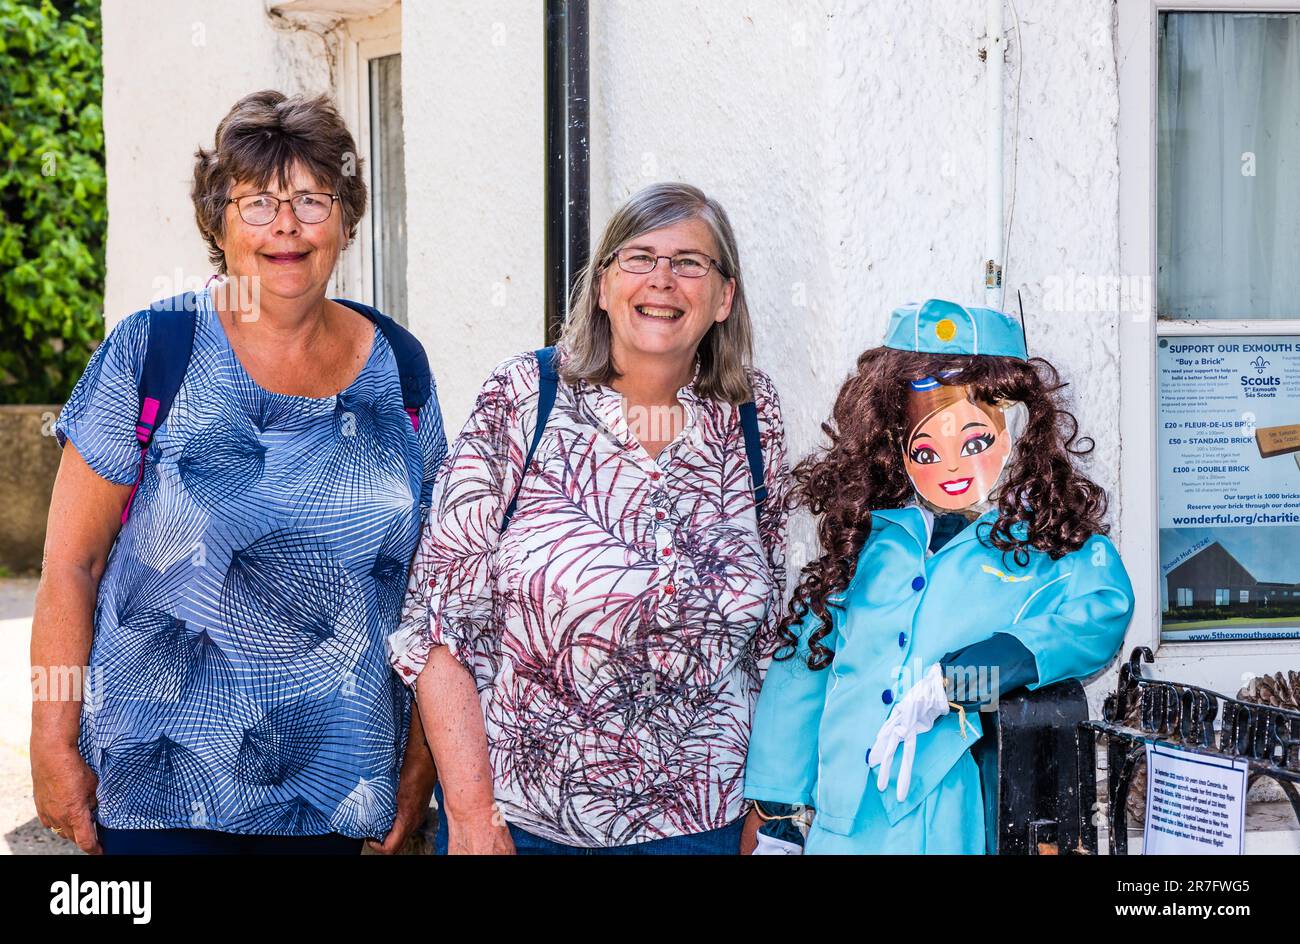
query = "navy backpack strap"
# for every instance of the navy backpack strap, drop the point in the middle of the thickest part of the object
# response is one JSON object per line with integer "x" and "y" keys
{"x": 548, "y": 385}
{"x": 754, "y": 452}
{"x": 412, "y": 362}
{"x": 167, "y": 355}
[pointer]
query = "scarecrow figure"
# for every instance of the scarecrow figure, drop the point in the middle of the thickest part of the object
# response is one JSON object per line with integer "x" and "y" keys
{"x": 965, "y": 555}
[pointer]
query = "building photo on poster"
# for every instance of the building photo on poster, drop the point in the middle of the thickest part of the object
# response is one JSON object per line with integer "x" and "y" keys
{"x": 1229, "y": 480}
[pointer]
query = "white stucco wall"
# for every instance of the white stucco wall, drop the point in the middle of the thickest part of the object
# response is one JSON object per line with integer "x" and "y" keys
{"x": 171, "y": 72}
{"x": 845, "y": 137}
{"x": 472, "y": 80}
{"x": 849, "y": 149}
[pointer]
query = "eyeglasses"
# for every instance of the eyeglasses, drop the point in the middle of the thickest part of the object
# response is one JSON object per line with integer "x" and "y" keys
{"x": 689, "y": 265}
{"x": 258, "y": 209}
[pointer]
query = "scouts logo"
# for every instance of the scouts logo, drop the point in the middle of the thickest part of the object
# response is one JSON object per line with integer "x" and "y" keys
{"x": 1005, "y": 578}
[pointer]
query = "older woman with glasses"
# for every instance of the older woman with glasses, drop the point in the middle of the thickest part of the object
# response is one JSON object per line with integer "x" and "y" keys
{"x": 244, "y": 476}
{"x": 601, "y": 576}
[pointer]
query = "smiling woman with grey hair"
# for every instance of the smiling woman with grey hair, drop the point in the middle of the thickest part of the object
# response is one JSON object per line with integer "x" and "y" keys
{"x": 600, "y": 579}
{"x": 242, "y": 485}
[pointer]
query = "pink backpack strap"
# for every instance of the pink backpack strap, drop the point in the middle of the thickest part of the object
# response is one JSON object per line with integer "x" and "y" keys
{"x": 144, "y": 435}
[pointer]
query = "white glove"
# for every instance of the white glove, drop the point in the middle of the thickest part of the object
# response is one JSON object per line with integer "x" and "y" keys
{"x": 769, "y": 845}
{"x": 915, "y": 713}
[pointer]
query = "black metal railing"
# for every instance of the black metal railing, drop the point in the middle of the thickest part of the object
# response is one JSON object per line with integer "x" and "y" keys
{"x": 1265, "y": 737}
{"x": 1029, "y": 771}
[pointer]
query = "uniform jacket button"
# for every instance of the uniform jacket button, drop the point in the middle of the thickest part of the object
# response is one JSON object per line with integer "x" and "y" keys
{"x": 887, "y": 697}
{"x": 918, "y": 583}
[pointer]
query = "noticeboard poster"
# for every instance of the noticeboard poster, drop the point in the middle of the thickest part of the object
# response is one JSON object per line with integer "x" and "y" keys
{"x": 1229, "y": 481}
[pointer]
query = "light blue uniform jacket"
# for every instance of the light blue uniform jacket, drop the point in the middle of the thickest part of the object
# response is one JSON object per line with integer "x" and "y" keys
{"x": 902, "y": 613}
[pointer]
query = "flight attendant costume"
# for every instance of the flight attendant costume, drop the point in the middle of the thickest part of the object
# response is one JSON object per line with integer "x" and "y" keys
{"x": 966, "y": 591}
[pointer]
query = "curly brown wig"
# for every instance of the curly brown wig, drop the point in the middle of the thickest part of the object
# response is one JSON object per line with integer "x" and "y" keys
{"x": 862, "y": 469}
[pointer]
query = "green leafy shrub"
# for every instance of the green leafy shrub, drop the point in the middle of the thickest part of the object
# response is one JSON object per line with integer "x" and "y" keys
{"x": 52, "y": 196}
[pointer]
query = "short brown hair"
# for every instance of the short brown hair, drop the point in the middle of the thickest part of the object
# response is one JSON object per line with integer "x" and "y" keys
{"x": 260, "y": 140}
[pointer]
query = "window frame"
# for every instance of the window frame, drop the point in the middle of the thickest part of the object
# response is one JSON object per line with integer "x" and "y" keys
{"x": 363, "y": 40}
{"x": 1136, "y": 51}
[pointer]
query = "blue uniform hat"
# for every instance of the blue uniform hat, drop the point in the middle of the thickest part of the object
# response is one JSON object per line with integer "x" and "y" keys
{"x": 939, "y": 327}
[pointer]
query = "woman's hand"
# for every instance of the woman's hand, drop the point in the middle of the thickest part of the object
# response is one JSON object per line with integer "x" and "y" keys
{"x": 414, "y": 788}
{"x": 64, "y": 788}
{"x": 482, "y": 833}
{"x": 85, "y": 517}
{"x": 412, "y": 804}
{"x": 453, "y": 723}
{"x": 749, "y": 832}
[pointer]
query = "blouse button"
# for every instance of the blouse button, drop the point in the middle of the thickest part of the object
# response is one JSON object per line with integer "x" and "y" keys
{"x": 660, "y": 516}
{"x": 668, "y": 552}
{"x": 654, "y": 476}
{"x": 670, "y": 589}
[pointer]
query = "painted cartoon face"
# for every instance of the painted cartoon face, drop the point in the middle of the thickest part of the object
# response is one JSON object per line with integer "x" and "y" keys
{"x": 955, "y": 455}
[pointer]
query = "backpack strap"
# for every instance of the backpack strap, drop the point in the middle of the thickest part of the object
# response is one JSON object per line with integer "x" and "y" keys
{"x": 549, "y": 384}
{"x": 412, "y": 362}
{"x": 167, "y": 354}
{"x": 754, "y": 452}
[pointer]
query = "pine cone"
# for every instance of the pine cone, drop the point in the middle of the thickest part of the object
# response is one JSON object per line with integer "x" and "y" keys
{"x": 1136, "y": 801}
{"x": 1281, "y": 690}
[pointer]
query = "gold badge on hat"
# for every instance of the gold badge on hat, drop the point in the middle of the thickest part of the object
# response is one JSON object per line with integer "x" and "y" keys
{"x": 945, "y": 330}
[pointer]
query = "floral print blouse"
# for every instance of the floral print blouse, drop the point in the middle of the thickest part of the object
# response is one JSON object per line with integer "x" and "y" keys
{"x": 617, "y": 628}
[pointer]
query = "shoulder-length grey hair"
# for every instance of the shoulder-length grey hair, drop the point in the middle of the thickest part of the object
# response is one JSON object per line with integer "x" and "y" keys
{"x": 725, "y": 352}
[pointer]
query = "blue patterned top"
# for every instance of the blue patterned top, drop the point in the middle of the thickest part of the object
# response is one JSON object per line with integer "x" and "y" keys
{"x": 239, "y": 675}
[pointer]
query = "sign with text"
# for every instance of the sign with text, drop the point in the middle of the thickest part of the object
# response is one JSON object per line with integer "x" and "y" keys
{"x": 1196, "y": 803}
{"x": 1229, "y": 479}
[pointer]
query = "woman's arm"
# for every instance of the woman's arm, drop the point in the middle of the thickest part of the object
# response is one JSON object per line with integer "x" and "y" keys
{"x": 414, "y": 788}
{"x": 782, "y": 763}
{"x": 418, "y": 775}
{"x": 85, "y": 517}
{"x": 448, "y": 618}
{"x": 453, "y": 720}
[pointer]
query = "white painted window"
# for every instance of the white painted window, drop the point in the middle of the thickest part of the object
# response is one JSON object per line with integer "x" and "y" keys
{"x": 370, "y": 94}
{"x": 1209, "y": 204}
{"x": 1228, "y": 188}
{"x": 1184, "y": 596}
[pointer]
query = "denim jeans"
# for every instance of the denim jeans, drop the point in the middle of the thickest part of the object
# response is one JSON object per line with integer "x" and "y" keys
{"x": 722, "y": 841}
